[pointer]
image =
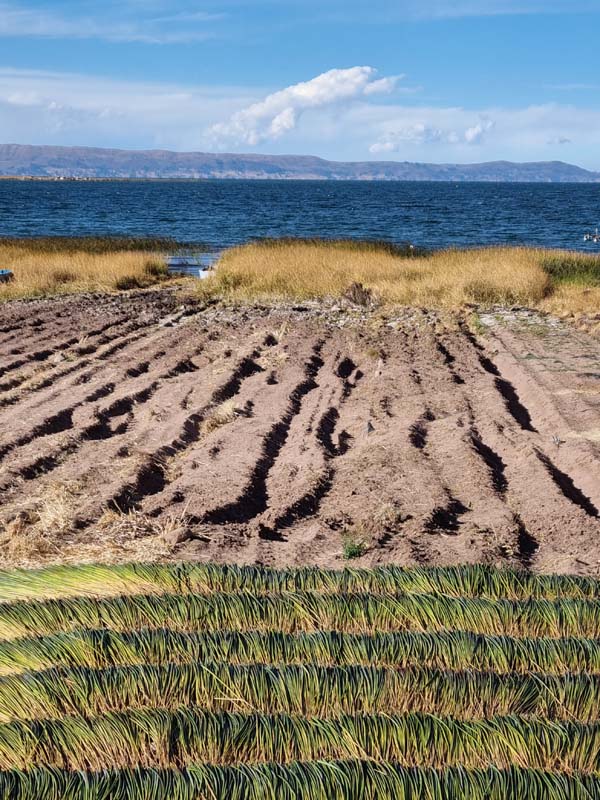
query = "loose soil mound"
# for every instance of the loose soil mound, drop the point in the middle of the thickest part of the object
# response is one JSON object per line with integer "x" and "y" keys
{"x": 137, "y": 427}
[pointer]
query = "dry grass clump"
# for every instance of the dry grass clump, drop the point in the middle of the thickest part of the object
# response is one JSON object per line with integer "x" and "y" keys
{"x": 48, "y": 267}
{"x": 45, "y": 533}
{"x": 39, "y": 533}
{"x": 126, "y": 531}
{"x": 313, "y": 269}
{"x": 219, "y": 416}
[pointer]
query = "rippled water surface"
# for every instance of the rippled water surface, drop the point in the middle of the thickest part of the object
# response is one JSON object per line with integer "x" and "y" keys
{"x": 222, "y": 213}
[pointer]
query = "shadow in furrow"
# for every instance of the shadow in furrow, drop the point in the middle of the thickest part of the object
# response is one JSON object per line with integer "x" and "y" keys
{"x": 446, "y": 519}
{"x": 305, "y": 507}
{"x": 513, "y": 404}
{"x": 254, "y": 500}
{"x": 527, "y": 544}
{"x": 493, "y": 461}
{"x": 419, "y": 430}
{"x": 567, "y": 486}
{"x": 344, "y": 370}
{"x": 245, "y": 369}
{"x": 326, "y": 429}
{"x": 57, "y": 423}
{"x": 449, "y": 360}
{"x": 485, "y": 362}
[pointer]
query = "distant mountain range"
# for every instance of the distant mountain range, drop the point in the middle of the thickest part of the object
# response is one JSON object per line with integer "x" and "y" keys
{"x": 94, "y": 162}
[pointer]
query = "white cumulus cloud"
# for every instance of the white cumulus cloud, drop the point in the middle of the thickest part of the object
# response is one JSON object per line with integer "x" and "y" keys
{"x": 475, "y": 134}
{"x": 279, "y": 112}
{"x": 419, "y": 133}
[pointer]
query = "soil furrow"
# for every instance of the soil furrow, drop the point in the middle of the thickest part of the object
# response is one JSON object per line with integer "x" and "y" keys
{"x": 547, "y": 530}
{"x": 148, "y": 428}
{"x": 254, "y": 499}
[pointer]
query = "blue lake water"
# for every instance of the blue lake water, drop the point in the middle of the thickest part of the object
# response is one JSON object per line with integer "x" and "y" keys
{"x": 222, "y": 213}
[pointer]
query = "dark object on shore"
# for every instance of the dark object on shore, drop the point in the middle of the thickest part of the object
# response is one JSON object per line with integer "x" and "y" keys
{"x": 6, "y": 276}
{"x": 359, "y": 295}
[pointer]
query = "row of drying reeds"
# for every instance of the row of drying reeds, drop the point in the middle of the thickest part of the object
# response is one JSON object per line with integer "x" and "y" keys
{"x": 443, "y": 650}
{"x": 302, "y": 689}
{"x": 159, "y": 738}
{"x": 97, "y": 580}
{"x": 305, "y": 611}
{"x": 312, "y": 780}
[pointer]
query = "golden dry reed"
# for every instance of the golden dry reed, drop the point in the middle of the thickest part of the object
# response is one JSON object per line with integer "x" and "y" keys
{"x": 61, "y": 266}
{"x": 306, "y": 269}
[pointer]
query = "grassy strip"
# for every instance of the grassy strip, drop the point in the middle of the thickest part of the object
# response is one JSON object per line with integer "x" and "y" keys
{"x": 445, "y": 650}
{"x": 306, "y": 690}
{"x": 303, "y": 269}
{"x": 556, "y": 281}
{"x": 333, "y": 780}
{"x": 305, "y": 611}
{"x": 464, "y": 581}
{"x": 51, "y": 266}
{"x": 571, "y": 268}
{"x": 157, "y": 738}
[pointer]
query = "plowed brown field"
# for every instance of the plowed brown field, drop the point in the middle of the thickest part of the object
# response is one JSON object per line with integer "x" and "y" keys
{"x": 134, "y": 427}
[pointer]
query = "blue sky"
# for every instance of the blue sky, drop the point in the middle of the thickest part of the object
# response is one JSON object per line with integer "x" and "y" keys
{"x": 428, "y": 80}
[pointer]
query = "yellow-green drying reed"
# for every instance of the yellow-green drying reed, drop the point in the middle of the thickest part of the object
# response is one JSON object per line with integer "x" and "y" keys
{"x": 443, "y": 650}
{"x": 300, "y": 689}
{"x": 97, "y": 580}
{"x": 293, "y": 612}
{"x": 192, "y": 682}
{"x": 313, "y": 780}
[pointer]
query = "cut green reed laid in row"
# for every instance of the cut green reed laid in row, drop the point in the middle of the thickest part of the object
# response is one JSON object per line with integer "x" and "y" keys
{"x": 453, "y": 650}
{"x": 305, "y": 611}
{"x": 157, "y": 738}
{"x": 322, "y": 780}
{"x": 306, "y": 690}
{"x": 464, "y": 581}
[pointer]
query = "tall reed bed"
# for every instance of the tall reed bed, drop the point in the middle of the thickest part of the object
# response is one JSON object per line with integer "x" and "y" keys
{"x": 303, "y": 269}
{"x": 57, "y": 265}
{"x": 295, "y": 269}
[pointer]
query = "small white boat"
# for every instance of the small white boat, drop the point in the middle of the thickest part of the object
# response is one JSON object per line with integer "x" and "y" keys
{"x": 592, "y": 237}
{"x": 193, "y": 266}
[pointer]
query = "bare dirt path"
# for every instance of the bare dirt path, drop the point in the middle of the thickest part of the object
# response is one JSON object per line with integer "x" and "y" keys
{"x": 143, "y": 426}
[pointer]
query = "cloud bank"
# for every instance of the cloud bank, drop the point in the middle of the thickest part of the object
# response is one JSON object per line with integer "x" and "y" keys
{"x": 279, "y": 112}
{"x": 420, "y": 133}
{"x": 352, "y": 117}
